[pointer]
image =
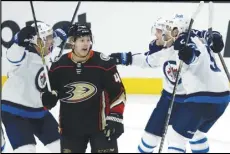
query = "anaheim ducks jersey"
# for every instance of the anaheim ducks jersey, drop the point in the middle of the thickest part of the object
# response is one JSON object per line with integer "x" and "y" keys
{"x": 87, "y": 91}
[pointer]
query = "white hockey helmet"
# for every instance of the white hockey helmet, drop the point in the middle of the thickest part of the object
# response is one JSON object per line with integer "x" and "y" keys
{"x": 44, "y": 31}
{"x": 179, "y": 21}
{"x": 160, "y": 23}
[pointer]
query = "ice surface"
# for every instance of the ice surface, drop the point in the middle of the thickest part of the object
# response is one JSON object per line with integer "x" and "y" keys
{"x": 137, "y": 112}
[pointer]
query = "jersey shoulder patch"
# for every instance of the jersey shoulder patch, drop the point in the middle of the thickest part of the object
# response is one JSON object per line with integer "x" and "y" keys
{"x": 104, "y": 57}
{"x": 103, "y": 60}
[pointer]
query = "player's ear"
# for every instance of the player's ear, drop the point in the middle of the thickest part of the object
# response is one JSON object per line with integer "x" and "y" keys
{"x": 71, "y": 41}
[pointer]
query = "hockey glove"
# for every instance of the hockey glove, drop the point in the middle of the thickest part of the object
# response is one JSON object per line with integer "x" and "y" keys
{"x": 49, "y": 99}
{"x": 122, "y": 58}
{"x": 218, "y": 43}
{"x": 24, "y": 37}
{"x": 114, "y": 126}
{"x": 186, "y": 54}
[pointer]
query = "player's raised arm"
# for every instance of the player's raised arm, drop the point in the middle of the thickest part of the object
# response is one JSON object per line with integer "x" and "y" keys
{"x": 17, "y": 52}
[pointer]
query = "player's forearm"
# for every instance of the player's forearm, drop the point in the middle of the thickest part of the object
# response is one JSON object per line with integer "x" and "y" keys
{"x": 143, "y": 61}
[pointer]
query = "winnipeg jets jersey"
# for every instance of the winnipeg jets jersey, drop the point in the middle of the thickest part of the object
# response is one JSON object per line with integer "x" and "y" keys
{"x": 26, "y": 81}
{"x": 167, "y": 59}
{"x": 203, "y": 80}
{"x": 21, "y": 93}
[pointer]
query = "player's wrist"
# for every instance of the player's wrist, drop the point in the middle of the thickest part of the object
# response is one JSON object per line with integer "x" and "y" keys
{"x": 115, "y": 117}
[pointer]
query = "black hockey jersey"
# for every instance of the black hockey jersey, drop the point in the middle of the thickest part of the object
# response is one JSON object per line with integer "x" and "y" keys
{"x": 87, "y": 91}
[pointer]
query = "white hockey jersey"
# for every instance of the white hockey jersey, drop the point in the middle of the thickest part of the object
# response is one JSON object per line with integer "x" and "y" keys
{"x": 21, "y": 93}
{"x": 203, "y": 80}
{"x": 187, "y": 86}
{"x": 167, "y": 59}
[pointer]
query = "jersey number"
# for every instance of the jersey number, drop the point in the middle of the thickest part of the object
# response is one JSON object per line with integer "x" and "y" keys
{"x": 117, "y": 77}
{"x": 213, "y": 66}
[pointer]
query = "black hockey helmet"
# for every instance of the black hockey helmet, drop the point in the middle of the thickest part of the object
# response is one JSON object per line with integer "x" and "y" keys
{"x": 78, "y": 30}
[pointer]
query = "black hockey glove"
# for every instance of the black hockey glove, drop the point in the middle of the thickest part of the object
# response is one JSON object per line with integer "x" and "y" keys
{"x": 25, "y": 35}
{"x": 122, "y": 58}
{"x": 218, "y": 43}
{"x": 186, "y": 54}
{"x": 49, "y": 100}
{"x": 114, "y": 126}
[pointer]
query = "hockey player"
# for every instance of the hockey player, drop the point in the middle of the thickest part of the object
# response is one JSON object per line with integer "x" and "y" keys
{"x": 23, "y": 114}
{"x": 92, "y": 96}
{"x": 207, "y": 92}
{"x": 161, "y": 54}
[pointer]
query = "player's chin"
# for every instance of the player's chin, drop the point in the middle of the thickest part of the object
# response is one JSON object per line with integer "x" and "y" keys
{"x": 83, "y": 53}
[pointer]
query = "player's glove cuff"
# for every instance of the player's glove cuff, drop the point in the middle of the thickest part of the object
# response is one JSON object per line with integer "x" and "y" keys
{"x": 122, "y": 58}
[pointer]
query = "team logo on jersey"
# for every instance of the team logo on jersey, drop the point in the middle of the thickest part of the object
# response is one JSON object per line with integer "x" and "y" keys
{"x": 170, "y": 71}
{"x": 79, "y": 92}
{"x": 40, "y": 80}
{"x": 104, "y": 57}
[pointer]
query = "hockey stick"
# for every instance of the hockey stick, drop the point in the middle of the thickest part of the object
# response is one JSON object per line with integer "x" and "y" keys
{"x": 177, "y": 78}
{"x": 63, "y": 46}
{"x": 211, "y": 35}
{"x": 40, "y": 45}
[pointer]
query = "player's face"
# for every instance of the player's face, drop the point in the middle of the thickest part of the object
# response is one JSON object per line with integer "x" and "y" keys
{"x": 158, "y": 33}
{"x": 82, "y": 46}
{"x": 48, "y": 44}
{"x": 174, "y": 32}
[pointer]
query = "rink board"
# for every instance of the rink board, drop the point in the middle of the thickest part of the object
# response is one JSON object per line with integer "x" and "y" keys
{"x": 136, "y": 85}
{"x": 116, "y": 30}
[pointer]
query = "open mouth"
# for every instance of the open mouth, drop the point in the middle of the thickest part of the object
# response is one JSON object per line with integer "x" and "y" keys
{"x": 85, "y": 49}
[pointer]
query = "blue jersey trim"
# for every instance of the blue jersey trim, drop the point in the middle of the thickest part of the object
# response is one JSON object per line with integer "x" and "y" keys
{"x": 24, "y": 113}
{"x": 23, "y": 57}
{"x": 147, "y": 61}
{"x": 209, "y": 97}
{"x": 178, "y": 98}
